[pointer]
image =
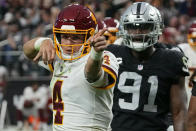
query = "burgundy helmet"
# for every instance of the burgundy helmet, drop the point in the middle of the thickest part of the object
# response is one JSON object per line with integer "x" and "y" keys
{"x": 101, "y": 24}
{"x": 111, "y": 23}
{"x": 112, "y": 26}
{"x": 192, "y": 34}
{"x": 75, "y": 19}
{"x": 77, "y": 15}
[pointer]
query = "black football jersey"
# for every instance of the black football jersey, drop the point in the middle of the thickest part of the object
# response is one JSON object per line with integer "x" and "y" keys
{"x": 142, "y": 91}
{"x": 194, "y": 89}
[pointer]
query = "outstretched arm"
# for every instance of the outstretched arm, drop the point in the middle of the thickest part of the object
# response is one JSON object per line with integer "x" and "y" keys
{"x": 93, "y": 70}
{"x": 178, "y": 104}
{"x": 41, "y": 47}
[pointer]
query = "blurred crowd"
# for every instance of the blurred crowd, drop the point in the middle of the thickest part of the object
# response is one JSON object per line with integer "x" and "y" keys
{"x": 21, "y": 20}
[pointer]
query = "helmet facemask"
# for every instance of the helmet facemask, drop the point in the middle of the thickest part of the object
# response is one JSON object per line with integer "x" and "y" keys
{"x": 112, "y": 26}
{"x": 142, "y": 40}
{"x": 192, "y": 40}
{"x": 78, "y": 46}
{"x": 191, "y": 37}
{"x": 110, "y": 36}
{"x": 74, "y": 25}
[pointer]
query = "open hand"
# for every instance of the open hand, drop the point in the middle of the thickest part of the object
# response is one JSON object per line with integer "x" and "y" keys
{"x": 47, "y": 52}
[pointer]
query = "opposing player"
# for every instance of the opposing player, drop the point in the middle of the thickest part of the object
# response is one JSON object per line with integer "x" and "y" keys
{"x": 112, "y": 29}
{"x": 150, "y": 80}
{"x": 82, "y": 82}
{"x": 189, "y": 50}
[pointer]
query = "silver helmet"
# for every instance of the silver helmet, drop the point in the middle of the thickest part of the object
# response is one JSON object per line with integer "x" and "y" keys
{"x": 144, "y": 17}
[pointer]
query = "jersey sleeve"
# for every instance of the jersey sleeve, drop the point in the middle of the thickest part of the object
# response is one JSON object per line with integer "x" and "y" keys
{"x": 180, "y": 63}
{"x": 110, "y": 67}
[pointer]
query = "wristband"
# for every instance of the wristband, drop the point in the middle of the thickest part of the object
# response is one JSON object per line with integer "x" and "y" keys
{"x": 96, "y": 55}
{"x": 39, "y": 41}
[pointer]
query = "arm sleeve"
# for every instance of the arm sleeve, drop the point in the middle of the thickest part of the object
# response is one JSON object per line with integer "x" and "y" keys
{"x": 110, "y": 67}
{"x": 181, "y": 63}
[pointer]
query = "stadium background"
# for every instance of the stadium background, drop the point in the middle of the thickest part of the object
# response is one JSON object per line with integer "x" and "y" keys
{"x": 21, "y": 20}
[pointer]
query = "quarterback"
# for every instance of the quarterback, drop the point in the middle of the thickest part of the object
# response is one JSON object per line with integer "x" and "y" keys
{"x": 83, "y": 73}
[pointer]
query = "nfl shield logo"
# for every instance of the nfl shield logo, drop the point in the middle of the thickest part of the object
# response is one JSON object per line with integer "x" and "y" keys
{"x": 140, "y": 67}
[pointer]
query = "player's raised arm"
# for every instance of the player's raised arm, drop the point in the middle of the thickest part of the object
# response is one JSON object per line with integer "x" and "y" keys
{"x": 41, "y": 47}
{"x": 93, "y": 69}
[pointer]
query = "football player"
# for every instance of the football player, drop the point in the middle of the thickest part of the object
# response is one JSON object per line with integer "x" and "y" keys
{"x": 189, "y": 50}
{"x": 112, "y": 29}
{"x": 150, "y": 80}
{"x": 33, "y": 103}
{"x": 83, "y": 73}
